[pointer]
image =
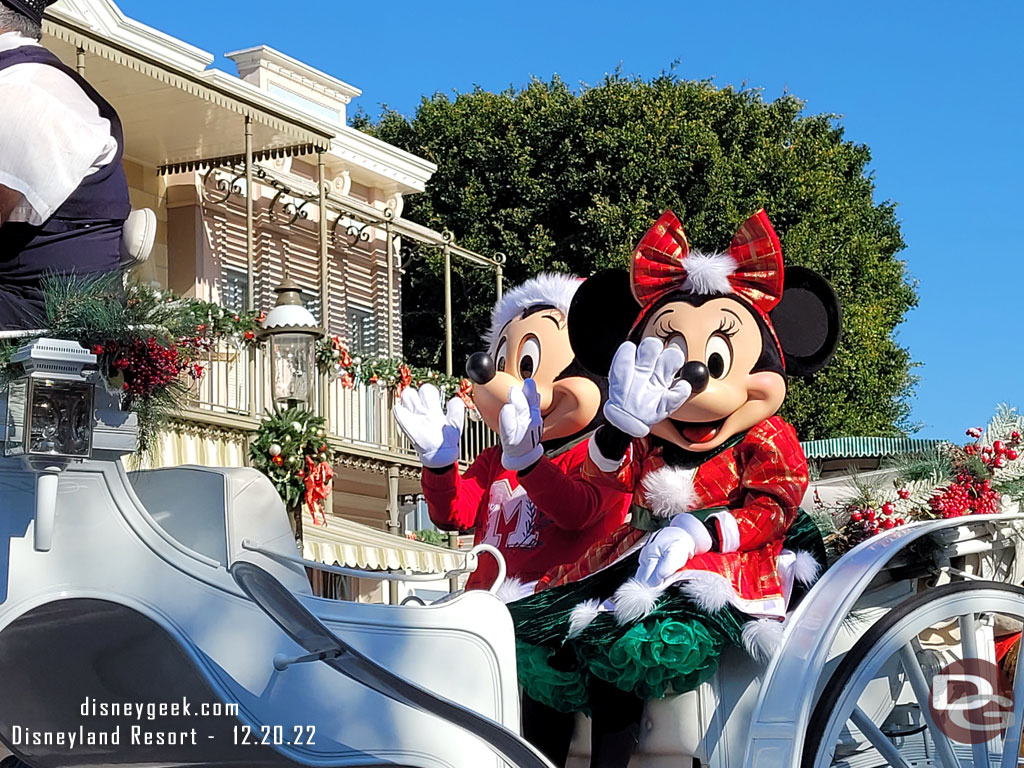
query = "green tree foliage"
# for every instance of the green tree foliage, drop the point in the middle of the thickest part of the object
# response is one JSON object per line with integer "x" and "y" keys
{"x": 569, "y": 181}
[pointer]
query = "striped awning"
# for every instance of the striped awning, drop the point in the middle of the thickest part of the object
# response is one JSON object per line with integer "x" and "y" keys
{"x": 352, "y": 545}
{"x": 866, "y": 447}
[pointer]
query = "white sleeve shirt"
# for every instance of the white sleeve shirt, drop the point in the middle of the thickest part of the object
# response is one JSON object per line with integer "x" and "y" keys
{"x": 51, "y": 136}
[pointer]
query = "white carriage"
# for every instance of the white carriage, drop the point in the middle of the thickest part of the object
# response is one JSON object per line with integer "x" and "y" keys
{"x": 182, "y": 585}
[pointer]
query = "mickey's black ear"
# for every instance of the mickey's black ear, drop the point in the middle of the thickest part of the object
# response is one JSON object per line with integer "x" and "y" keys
{"x": 600, "y": 316}
{"x": 807, "y": 321}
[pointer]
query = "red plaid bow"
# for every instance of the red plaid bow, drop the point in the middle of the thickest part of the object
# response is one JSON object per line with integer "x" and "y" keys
{"x": 659, "y": 262}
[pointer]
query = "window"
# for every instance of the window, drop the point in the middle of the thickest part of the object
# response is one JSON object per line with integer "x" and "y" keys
{"x": 234, "y": 289}
{"x": 362, "y": 326}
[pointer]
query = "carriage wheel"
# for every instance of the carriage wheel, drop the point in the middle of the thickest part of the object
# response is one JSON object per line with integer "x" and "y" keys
{"x": 843, "y": 733}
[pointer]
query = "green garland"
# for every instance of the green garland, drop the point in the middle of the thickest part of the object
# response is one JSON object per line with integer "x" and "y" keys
{"x": 280, "y": 447}
{"x": 951, "y": 481}
{"x": 147, "y": 342}
{"x": 333, "y": 359}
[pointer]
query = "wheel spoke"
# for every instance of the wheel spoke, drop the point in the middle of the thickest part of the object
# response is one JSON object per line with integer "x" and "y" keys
{"x": 878, "y": 739}
{"x": 916, "y": 676}
{"x": 969, "y": 643}
{"x": 1011, "y": 742}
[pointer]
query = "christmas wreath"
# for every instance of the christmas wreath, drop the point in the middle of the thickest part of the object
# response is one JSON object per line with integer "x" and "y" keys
{"x": 290, "y": 447}
{"x": 982, "y": 476}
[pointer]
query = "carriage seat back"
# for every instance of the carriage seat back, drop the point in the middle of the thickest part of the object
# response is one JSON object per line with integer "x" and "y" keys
{"x": 212, "y": 510}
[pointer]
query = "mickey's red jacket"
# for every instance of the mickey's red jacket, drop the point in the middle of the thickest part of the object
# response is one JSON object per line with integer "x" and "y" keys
{"x": 540, "y": 519}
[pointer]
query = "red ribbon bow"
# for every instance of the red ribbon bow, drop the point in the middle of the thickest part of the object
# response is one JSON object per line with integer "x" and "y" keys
{"x": 318, "y": 488}
{"x": 659, "y": 262}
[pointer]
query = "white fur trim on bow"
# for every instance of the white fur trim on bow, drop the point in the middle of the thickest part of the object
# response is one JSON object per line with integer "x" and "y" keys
{"x": 634, "y": 600}
{"x": 763, "y": 637}
{"x": 582, "y": 615}
{"x": 708, "y": 273}
{"x": 669, "y": 491}
{"x": 546, "y": 288}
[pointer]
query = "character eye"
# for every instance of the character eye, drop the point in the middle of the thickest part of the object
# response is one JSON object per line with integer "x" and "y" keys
{"x": 719, "y": 356}
{"x": 529, "y": 357}
{"x": 679, "y": 342}
{"x": 500, "y": 355}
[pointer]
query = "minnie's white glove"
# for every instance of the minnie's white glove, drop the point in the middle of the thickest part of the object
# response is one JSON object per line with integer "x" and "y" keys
{"x": 642, "y": 390}
{"x": 670, "y": 549}
{"x": 520, "y": 426}
{"x": 434, "y": 434}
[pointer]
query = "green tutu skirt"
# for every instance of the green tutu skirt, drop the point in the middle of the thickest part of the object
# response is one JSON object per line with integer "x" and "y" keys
{"x": 672, "y": 650}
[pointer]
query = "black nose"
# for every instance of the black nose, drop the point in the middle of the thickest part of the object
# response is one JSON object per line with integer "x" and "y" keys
{"x": 697, "y": 374}
{"x": 480, "y": 368}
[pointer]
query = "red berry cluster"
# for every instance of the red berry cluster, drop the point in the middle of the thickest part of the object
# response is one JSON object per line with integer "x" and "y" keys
{"x": 146, "y": 365}
{"x": 865, "y": 522}
{"x": 967, "y": 496}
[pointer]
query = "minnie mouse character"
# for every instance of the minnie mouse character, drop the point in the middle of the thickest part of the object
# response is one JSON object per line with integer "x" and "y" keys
{"x": 697, "y": 348}
{"x": 524, "y": 496}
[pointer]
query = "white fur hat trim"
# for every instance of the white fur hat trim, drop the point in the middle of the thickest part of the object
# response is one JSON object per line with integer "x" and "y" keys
{"x": 669, "y": 491}
{"x": 708, "y": 273}
{"x": 547, "y": 288}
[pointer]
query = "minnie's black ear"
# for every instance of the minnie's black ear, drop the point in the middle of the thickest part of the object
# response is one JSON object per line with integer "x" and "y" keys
{"x": 600, "y": 316}
{"x": 807, "y": 321}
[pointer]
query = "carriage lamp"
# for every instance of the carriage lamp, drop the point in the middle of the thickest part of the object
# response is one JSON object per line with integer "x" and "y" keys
{"x": 49, "y": 420}
{"x": 291, "y": 332}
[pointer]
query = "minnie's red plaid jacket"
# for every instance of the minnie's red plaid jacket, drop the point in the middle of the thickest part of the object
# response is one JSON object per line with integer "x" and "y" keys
{"x": 761, "y": 481}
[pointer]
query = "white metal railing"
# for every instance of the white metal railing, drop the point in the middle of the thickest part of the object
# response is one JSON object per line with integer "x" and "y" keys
{"x": 236, "y": 382}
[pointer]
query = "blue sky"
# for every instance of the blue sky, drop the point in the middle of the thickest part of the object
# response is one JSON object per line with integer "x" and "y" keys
{"x": 933, "y": 89}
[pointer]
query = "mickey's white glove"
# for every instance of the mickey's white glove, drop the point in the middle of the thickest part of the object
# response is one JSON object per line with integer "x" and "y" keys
{"x": 642, "y": 390}
{"x": 671, "y": 548}
{"x": 434, "y": 434}
{"x": 520, "y": 426}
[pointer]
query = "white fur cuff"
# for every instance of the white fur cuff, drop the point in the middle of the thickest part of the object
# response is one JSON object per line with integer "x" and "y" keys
{"x": 701, "y": 538}
{"x": 600, "y": 460}
{"x": 728, "y": 531}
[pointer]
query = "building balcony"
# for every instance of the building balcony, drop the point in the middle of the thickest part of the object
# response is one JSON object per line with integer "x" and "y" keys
{"x": 234, "y": 392}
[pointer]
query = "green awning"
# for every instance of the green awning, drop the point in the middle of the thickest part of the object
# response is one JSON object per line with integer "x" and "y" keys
{"x": 866, "y": 447}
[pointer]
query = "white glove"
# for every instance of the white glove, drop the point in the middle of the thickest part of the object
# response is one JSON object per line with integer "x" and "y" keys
{"x": 671, "y": 548}
{"x": 434, "y": 434}
{"x": 641, "y": 386}
{"x": 520, "y": 426}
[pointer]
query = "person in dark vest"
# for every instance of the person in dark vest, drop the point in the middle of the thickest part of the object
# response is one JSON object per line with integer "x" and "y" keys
{"x": 63, "y": 191}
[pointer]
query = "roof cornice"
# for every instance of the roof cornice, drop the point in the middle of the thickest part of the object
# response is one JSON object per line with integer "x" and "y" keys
{"x": 382, "y": 158}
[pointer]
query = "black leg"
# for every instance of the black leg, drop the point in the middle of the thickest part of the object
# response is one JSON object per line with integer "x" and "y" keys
{"x": 616, "y": 725}
{"x": 548, "y": 730}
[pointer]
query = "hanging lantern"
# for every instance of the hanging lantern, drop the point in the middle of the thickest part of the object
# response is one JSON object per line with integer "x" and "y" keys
{"x": 291, "y": 332}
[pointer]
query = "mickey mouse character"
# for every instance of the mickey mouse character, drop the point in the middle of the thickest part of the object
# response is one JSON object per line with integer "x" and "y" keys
{"x": 697, "y": 348}
{"x": 524, "y": 496}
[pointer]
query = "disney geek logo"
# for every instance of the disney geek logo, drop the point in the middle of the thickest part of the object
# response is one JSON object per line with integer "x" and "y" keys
{"x": 971, "y": 701}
